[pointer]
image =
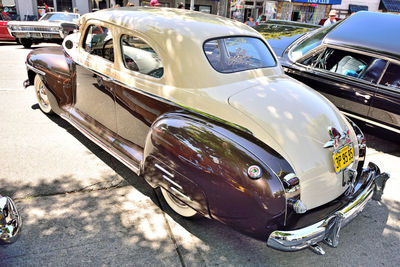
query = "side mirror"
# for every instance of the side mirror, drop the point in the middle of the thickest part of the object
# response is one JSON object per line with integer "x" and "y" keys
{"x": 10, "y": 221}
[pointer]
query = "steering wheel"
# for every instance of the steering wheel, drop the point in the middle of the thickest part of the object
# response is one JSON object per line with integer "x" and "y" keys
{"x": 108, "y": 52}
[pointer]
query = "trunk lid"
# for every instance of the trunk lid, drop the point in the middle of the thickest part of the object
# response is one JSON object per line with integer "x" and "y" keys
{"x": 298, "y": 118}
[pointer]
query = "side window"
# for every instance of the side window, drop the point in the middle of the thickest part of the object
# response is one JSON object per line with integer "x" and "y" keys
{"x": 99, "y": 42}
{"x": 351, "y": 64}
{"x": 391, "y": 77}
{"x": 138, "y": 56}
{"x": 312, "y": 59}
{"x": 233, "y": 54}
{"x": 374, "y": 70}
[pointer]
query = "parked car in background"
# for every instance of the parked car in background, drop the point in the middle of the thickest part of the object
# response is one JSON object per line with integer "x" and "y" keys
{"x": 198, "y": 105}
{"x": 4, "y": 33}
{"x": 355, "y": 63}
{"x": 10, "y": 221}
{"x": 52, "y": 28}
{"x": 281, "y": 33}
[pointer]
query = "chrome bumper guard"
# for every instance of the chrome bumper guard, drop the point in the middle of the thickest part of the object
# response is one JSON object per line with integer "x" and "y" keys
{"x": 328, "y": 229}
{"x": 10, "y": 221}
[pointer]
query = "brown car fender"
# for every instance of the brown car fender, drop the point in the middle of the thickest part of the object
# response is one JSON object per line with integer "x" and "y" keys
{"x": 57, "y": 72}
{"x": 208, "y": 162}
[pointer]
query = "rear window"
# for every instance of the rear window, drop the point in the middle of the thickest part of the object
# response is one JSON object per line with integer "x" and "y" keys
{"x": 233, "y": 54}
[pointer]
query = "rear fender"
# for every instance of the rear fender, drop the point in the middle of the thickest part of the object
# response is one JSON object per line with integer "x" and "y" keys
{"x": 208, "y": 162}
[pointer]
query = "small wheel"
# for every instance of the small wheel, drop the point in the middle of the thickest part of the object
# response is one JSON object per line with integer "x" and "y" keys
{"x": 178, "y": 206}
{"x": 41, "y": 96}
{"x": 27, "y": 43}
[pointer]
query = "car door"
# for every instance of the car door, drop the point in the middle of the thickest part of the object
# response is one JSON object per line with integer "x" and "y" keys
{"x": 94, "y": 104}
{"x": 385, "y": 107}
{"x": 136, "y": 110}
{"x": 347, "y": 78}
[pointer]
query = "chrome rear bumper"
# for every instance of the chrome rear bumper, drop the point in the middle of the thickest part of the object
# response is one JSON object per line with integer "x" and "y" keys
{"x": 327, "y": 230}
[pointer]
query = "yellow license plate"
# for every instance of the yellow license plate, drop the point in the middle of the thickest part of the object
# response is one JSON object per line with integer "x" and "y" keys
{"x": 343, "y": 157}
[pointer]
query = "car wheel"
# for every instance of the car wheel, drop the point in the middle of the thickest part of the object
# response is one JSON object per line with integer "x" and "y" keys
{"x": 27, "y": 43}
{"x": 178, "y": 206}
{"x": 41, "y": 96}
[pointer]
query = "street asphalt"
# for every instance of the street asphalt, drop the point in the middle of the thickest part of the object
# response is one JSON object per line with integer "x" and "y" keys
{"x": 81, "y": 207}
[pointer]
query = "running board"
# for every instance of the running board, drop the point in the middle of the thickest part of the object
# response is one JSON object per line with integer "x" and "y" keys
{"x": 97, "y": 141}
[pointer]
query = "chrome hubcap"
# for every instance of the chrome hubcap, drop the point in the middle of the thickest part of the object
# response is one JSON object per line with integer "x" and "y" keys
{"x": 43, "y": 96}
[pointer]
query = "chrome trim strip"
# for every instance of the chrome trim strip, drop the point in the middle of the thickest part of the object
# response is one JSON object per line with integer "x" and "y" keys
{"x": 372, "y": 122}
{"x": 180, "y": 193}
{"x": 328, "y": 228}
{"x": 172, "y": 182}
{"x": 164, "y": 100}
{"x": 163, "y": 170}
{"x": 36, "y": 70}
{"x": 102, "y": 145}
{"x": 34, "y": 32}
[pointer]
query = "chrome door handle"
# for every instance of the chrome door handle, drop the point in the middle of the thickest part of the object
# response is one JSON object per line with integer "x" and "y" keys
{"x": 365, "y": 96}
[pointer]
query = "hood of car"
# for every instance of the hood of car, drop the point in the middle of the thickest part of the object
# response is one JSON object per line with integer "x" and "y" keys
{"x": 35, "y": 23}
{"x": 297, "y": 118}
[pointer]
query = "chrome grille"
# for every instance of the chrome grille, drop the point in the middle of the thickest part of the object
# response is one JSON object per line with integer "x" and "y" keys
{"x": 34, "y": 28}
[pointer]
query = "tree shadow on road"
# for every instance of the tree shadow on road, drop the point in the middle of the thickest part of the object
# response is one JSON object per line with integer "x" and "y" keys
{"x": 126, "y": 225}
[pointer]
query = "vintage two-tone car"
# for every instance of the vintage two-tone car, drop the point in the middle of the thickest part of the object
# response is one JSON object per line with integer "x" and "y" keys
{"x": 199, "y": 106}
{"x": 51, "y": 28}
{"x": 355, "y": 63}
{"x": 10, "y": 221}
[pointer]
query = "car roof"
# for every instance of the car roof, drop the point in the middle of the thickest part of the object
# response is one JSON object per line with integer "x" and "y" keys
{"x": 369, "y": 31}
{"x": 178, "y": 36}
{"x": 171, "y": 21}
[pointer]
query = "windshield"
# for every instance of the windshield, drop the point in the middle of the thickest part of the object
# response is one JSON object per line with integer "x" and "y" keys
{"x": 60, "y": 17}
{"x": 233, "y": 54}
{"x": 311, "y": 41}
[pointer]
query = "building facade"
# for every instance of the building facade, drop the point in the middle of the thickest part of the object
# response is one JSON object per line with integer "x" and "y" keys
{"x": 309, "y": 11}
{"x": 347, "y": 7}
{"x": 33, "y": 9}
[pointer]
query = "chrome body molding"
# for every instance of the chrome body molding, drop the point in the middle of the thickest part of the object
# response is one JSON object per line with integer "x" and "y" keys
{"x": 10, "y": 221}
{"x": 180, "y": 193}
{"x": 35, "y": 70}
{"x": 372, "y": 122}
{"x": 102, "y": 145}
{"x": 172, "y": 182}
{"x": 163, "y": 170}
{"x": 328, "y": 229}
{"x": 163, "y": 100}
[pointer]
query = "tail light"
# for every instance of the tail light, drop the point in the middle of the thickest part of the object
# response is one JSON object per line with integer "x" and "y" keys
{"x": 291, "y": 184}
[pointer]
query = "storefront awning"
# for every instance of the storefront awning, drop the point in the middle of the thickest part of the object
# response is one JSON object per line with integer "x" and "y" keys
{"x": 391, "y": 5}
{"x": 7, "y": 2}
{"x": 356, "y": 8}
{"x": 320, "y": 2}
